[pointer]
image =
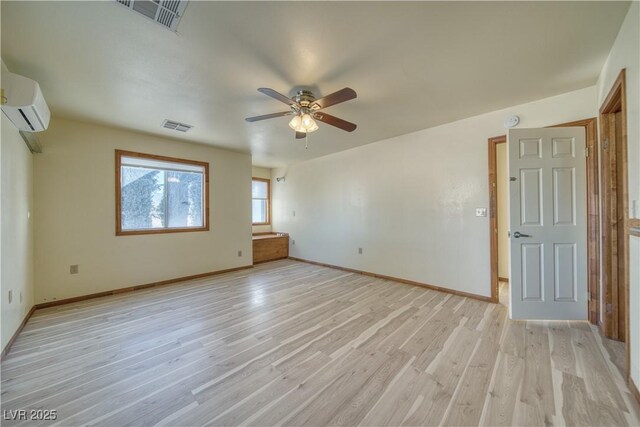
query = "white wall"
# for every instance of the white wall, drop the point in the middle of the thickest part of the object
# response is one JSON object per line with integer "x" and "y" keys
{"x": 626, "y": 54}
{"x": 258, "y": 172}
{"x": 16, "y": 235}
{"x": 75, "y": 214}
{"x": 502, "y": 178}
{"x": 409, "y": 201}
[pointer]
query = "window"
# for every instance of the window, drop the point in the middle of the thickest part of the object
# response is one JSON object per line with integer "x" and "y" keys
{"x": 156, "y": 194}
{"x": 260, "y": 201}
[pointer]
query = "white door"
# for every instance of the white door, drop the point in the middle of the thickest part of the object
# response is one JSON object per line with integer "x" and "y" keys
{"x": 548, "y": 223}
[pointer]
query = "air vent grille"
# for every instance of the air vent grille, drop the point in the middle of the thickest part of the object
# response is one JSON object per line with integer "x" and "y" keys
{"x": 173, "y": 125}
{"x": 165, "y": 12}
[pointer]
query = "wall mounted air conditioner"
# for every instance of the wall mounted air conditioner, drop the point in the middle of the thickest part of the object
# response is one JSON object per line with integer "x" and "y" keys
{"x": 24, "y": 104}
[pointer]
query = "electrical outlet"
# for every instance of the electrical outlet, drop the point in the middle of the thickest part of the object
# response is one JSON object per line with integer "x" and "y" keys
{"x": 20, "y": 297}
{"x": 293, "y": 242}
{"x": 10, "y": 296}
{"x": 294, "y": 213}
{"x": 239, "y": 253}
{"x": 360, "y": 251}
{"x": 74, "y": 269}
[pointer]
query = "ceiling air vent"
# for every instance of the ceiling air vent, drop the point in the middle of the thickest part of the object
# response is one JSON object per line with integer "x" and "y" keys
{"x": 180, "y": 127}
{"x": 165, "y": 12}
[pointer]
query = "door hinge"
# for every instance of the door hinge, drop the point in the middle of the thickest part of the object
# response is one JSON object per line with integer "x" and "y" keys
{"x": 512, "y": 178}
{"x": 588, "y": 296}
{"x": 586, "y": 151}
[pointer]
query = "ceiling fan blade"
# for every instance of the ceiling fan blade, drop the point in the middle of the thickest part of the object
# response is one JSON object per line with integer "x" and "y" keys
{"x": 268, "y": 116}
{"x": 342, "y": 95}
{"x": 300, "y": 135}
{"x": 334, "y": 121}
{"x": 277, "y": 95}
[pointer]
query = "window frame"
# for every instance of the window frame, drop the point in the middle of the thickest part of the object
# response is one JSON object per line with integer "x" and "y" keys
{"x": 268, "y": 181}
{"x": 118, "y": 173}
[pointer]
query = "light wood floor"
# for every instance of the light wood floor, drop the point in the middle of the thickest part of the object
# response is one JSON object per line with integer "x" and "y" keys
{"x": 297, "y": 344}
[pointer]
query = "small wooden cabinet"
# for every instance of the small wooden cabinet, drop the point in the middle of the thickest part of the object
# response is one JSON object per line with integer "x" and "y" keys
{"x": 269, "y": 247}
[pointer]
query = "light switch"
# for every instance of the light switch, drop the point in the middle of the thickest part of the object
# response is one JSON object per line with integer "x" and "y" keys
{"x": 481, "y": 211}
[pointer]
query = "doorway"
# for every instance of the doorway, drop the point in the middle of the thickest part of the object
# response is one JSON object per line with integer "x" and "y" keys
{"x": 593, "y": 214}
{"x": 615, "y": 213}
{"x": 499, "y": 215}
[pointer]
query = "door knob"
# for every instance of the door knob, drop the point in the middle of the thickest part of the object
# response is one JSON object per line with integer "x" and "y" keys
{"x": 518, "y": 234}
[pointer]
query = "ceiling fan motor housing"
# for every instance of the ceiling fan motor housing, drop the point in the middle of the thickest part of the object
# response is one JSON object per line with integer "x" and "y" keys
{"x": 304, "y": 97}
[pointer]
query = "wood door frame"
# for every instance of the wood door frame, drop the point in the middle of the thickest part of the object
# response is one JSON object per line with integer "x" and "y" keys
{"x": 618, "y": 197}
{"x": 493, "y": 213}
{"x": 593, "y": 213}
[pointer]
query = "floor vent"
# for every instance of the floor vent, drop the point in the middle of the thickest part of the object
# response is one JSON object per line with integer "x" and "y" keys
{"x": 173, "y": 125}
{"x": 165, "y": 12}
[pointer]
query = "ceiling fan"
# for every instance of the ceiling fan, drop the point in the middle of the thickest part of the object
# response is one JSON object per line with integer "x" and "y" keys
{"x": 306, "y": 109}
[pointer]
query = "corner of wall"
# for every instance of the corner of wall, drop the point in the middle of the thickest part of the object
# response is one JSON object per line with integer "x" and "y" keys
{"x": 625, "y": 54}
{"x": 16, "y": 233}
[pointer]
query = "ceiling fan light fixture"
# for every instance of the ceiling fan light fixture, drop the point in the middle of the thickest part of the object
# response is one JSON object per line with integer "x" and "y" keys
{"x": 303, "y": 123}
{"x": 307, "y": 121}
{"x": 295, "y": 123}
{"x": 312, "y": 127}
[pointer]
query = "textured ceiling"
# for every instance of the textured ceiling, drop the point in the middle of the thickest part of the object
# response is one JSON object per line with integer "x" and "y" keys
{"x": 413, "y": 64}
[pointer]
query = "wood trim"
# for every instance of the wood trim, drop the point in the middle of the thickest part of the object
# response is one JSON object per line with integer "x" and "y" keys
{"x": 270, "y": 236}
{"x": 138, "y": 287}
{"x": 271, "y": 260}
{"x": 616, "y": 98}
{"x": 503, "y": 279}
{"x": 615, "y": 214}
{"x": 7, "y": 347}
{"x": 268, "y": 181}
{"x": 493, "y": 213}
{"x": 205, "y": 165}
{"x": 396, "y": 279}
{"x": 593, "y": 213}
{"x": 633, "y": 223}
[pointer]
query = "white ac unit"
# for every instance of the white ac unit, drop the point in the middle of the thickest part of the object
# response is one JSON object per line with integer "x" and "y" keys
{"x": 24, "y": 104}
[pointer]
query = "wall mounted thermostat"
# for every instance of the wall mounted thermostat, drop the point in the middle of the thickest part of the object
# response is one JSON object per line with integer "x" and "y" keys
{"x": 511, "y": 121}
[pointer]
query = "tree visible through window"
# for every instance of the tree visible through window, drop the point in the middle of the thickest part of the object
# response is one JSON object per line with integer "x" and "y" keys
{"x": 160, "y": 194}
{"x": 260, "y": 200}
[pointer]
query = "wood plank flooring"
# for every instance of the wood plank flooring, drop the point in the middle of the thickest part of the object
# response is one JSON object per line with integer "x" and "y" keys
{"x": 290, "y": 343}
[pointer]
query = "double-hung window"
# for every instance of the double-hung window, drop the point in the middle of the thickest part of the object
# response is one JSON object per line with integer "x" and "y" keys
{"x": 260, "y": 201}
{"x": 156, "y": 194}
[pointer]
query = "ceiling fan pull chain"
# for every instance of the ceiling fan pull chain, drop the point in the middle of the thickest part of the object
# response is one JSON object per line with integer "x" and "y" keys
{"x": 306, "y": 141}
